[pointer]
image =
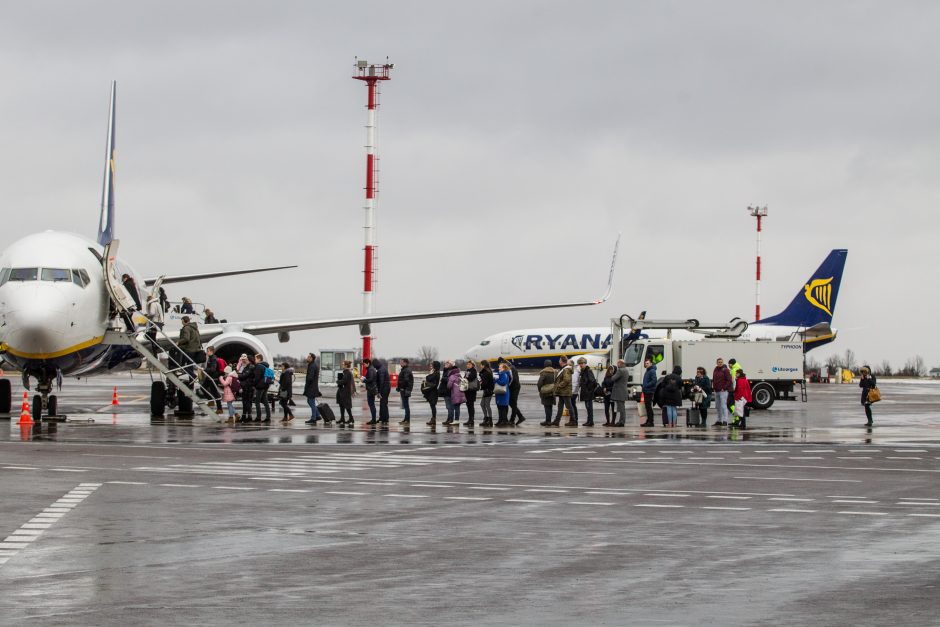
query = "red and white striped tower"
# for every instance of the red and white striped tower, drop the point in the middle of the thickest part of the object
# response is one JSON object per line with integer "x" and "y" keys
{"x": 371, "y": 74}
{"x": 759, "y": 213}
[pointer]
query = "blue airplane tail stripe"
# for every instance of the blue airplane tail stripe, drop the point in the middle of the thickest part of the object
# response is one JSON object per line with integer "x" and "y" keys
{"x": 816, "y": 301}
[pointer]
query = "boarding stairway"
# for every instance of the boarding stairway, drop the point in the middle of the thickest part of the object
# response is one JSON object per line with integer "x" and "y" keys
{"x": 151, "y": 342}
{"x": 180, "y": 370}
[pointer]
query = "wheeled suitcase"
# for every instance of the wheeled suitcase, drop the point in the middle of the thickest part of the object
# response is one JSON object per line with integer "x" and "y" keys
{"x": 692, "y": 417}
{"x": 326, "y": 412}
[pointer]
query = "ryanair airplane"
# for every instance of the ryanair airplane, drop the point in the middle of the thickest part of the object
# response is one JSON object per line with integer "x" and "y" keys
{"x": 808, "y": 319}
{"x": 57, "y": 295}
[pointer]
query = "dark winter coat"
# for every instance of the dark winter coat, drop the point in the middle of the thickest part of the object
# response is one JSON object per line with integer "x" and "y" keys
{"x": 867, "y": 384}
{"x": 486, "y": 382}
{"x": 547, "y": 378}
{"x": 312, "y": 380}
{"x": 721, "y": 379}
{"x": 189, "y": 338}
{"x": 371, "y": 375}
{"x": 672, "y": 390}
{"x": 472, "y": 379}
{"x": 258, "y": 379}
{"x": 649, "y": 380}
{"x": 433, "y": 380}
{"x": 286, "y": 383}
{"x": 588, "y": 385}
{"x": 382, "y": 381}
{"x": 514, "y": 384}
{"x": 406, "y": 381}
{"x": 345, "y": 386}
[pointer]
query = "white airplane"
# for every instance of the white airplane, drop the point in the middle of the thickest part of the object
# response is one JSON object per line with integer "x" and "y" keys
{"x": 56, "y": 306}
{"x": 808, "y": 319}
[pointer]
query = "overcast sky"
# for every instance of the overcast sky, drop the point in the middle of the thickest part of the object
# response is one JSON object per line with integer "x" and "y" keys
{"x": 516, "y": 140}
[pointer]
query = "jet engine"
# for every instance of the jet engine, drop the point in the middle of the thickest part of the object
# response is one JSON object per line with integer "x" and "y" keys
{"x": 230, "y": 346}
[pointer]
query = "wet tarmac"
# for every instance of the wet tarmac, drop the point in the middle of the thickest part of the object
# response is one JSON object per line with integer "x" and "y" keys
{"x": 806, "y": 517}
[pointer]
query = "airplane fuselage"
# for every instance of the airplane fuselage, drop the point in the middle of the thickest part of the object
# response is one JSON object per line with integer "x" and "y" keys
{"x": 54, "y": 306}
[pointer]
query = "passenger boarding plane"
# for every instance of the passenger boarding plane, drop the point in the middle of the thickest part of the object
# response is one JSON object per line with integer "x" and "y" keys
{"x": 808, "y": 318}
{"x": 56, "y": 305}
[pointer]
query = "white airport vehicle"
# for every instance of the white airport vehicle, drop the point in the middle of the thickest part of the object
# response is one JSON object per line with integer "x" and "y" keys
{"x": 66, "y": 310}
{"x": 807, "y": 320}
{"x": 774, "y": 369}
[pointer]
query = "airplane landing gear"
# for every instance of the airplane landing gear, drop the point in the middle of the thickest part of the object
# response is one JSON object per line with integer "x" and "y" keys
{"x": 37, "y": 408}
{"x": 6, "y": 396}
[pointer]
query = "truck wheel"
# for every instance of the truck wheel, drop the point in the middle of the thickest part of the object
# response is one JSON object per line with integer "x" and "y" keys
{"x": 763, "y": 396}
{"x": 6, "y": 396}
{"x": 157, "y": 398}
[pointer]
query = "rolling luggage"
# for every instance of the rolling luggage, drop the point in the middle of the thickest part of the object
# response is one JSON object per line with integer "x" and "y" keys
{"x": 326, "y": 412}
{"x": 692, "y": 417}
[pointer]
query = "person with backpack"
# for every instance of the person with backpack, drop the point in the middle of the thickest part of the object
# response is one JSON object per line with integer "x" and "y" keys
{"x": 312, "y": 387}
{"x": 345, "y": 389}
{"x": 230, "y": 390}
{"x": 246, "y": 380}
{"x": 486, "y": 388}
{"x": 429, "y": 388}
{"x": 406, "y": 383}
{"x": 285, "y": 391}
{"x": 457, "y": 396}
{"x": 470, "y": 383}
{"x": 546, "y": 387}
{"x": 262, "y": 379}
{"x": 369, "y": 378}
{"x": 587, "y": 386}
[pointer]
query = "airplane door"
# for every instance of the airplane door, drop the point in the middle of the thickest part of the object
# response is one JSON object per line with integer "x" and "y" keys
{"x": 116, "y": 289}
{"x": 504, "y": 348}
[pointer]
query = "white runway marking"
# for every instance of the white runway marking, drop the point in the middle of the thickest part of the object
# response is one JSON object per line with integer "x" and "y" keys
{"x": 427, "y": 485}
{"x": 853, "y": 501}
{"x": 526, "y": 501}
{"x": 321, "y": 480}
{"x": 667, "y": 494}
{"x": 481, "y": 487}
{"x": 789, "y": 498}
{"x": 717, "y": 496}
{"x": 902, "y": 457}
{"x": 19, "y": 468}
{"x": 567, "y": 472}
{"x": 467, "y": 498}
{"x": 66, "y": 470}
{"x": 349, "y": 493}
{"x": 864, "y": 513}
{"x": 655, "y": 505}
{"x": 180, "y": 485}
{"x": 286, "y": 490}
{"x": 127, "y": 482}
{"x": 801, "y": 511}
{"x": 910, "y": 450}
{"x": 804, "y": 458}
{"x": 231, "y": 487}
{"x": 31, "y": 531}
{"x": 854, "y": 457}
{"x": 544, "y": 490}
{"x": 916, "y": 503}
{"x": 590, "y": 503}
{"x": 797, "y": 479}
{"x": 926, "y": 515}
{"x": 917, "y": 498}
{"x": 267, "y": 479}
{"x": 736, "y": 509}
{"x": 611, "y": 493}
{"x": 407, "y": 496}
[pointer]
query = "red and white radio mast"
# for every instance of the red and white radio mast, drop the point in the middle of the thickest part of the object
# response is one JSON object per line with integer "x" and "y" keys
{"x": 759, "y": 213}
{"x": 371, "y": 74}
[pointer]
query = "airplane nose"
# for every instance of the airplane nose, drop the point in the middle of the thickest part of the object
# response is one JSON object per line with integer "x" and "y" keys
{"x": 36, "y": 321}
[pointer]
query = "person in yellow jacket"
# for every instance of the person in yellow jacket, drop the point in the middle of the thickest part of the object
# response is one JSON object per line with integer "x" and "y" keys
{"x": 733, "y": 366}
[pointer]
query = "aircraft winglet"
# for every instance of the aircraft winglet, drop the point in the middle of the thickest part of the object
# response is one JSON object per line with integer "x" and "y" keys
{"x": 106, "y": 219}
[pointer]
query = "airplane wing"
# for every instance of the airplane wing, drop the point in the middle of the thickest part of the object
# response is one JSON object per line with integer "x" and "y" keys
{"x": 262, "y": 327}
{"x": 180, "y": 278}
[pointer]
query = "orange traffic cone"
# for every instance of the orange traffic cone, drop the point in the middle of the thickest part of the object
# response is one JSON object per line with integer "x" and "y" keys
{"x": 25, "y": 418}
{"x": 114, "y": 397}
{"x": 25, "y": 404}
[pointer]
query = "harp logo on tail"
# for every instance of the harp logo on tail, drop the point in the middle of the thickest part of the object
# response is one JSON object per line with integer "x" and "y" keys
{"x": 819, "y": 294}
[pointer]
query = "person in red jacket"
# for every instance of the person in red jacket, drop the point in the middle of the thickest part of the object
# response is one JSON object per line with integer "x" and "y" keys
{"x": 742, "y": 396}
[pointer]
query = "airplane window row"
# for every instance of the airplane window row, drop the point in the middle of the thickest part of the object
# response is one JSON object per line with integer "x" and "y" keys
{"x": 59, "y": 275}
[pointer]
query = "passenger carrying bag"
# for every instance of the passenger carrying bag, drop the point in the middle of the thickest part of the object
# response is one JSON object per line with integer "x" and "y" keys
{"x": 874, "y": 394}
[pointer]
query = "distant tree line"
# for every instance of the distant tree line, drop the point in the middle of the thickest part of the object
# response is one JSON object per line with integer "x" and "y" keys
{"x": 913, "y": 367}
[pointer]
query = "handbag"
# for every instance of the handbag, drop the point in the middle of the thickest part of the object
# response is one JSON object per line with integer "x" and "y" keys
{"x": 874, "y": 394}
{"x": 500, "y": 389}
{"x": 547, "y": 389}
{"x": 426, "y": 386}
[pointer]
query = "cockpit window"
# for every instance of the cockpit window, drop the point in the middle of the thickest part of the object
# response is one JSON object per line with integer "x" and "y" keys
{"x": 4, "y": 275}
{"x": 77, "y": 278}
{"x": 484, "y": 342}
{"x": 85, "y": 276}
{"x": 24, "y": 274}
{"x": 56, "y": 274}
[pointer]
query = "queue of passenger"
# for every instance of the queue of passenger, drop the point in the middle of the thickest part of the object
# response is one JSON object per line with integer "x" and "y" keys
{"x": 560, "y": 392}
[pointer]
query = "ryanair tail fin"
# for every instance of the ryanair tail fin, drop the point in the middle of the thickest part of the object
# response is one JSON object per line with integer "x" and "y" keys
{"x": 106, "y": 219}
{"x": 816, "y": 301}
